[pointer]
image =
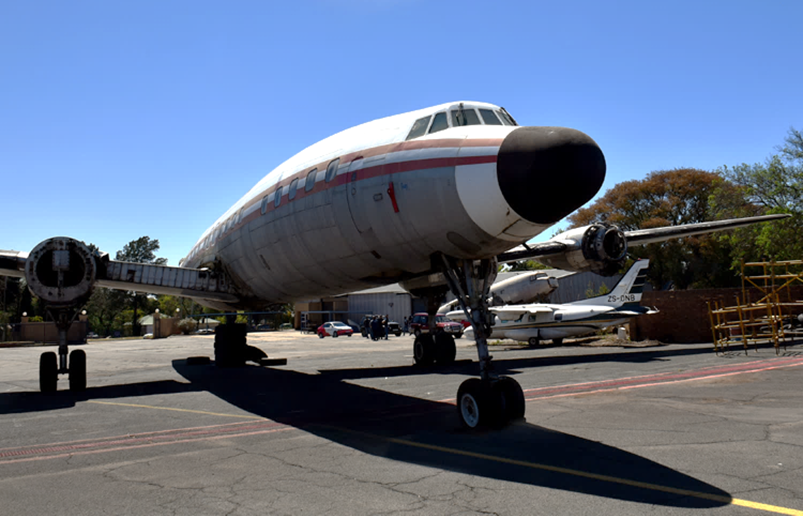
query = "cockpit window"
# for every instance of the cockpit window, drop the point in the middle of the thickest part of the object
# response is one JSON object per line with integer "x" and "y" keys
{"x": 503, "y": 118}
{"x": 506, "y": 118}
{"x": 419, "y": 128}
{"x": 331, "y": 170}
{"x": 464, "y": 116}
{"x": 439, "y": 123}
{"x": 489, "y": 118}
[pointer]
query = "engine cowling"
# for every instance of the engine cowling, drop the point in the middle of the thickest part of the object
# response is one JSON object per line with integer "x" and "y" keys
{"x": 61, "y": 271}
{"x": 600, "y": 248}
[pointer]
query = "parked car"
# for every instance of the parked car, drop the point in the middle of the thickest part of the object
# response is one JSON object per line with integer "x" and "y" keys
{"x": 420, "y": 324}
{"x": 334, "y": 329}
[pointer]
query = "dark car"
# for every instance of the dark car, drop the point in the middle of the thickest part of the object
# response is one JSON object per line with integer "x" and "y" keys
{"x": 420, "y": 325}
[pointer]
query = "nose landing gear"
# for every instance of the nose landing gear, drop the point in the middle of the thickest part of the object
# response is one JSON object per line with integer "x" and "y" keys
{"x": 491, "y": 401}
{"x": 74, "y": 364}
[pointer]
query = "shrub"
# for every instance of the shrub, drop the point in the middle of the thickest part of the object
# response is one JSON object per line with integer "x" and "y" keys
{"x": 187, "y": 325}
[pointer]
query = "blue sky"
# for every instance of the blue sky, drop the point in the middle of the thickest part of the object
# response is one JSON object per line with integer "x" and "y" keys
{"x": 124, "y": 119}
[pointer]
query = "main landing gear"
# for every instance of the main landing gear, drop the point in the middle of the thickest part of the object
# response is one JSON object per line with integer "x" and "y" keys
{"x": 50, "y": 365}
{"x": 491, "y": 401}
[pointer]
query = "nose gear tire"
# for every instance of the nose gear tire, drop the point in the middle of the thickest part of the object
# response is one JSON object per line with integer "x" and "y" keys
{"x": 78, "y": 370}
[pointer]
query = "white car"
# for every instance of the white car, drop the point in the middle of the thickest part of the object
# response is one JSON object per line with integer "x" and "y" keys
{"x": 334, "y": 329}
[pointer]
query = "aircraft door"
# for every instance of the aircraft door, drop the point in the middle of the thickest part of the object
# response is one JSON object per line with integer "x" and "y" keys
{"x": 357, "y": 190}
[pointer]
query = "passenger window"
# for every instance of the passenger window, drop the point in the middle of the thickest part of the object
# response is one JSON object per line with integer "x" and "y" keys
{"x": 331, "y": 170}
{"x": 264, "y": 206}
{"x": 439, "y": 123}
{"x": 464, "y": 116}
{"x": 277, "y": 197}
{"x": 419, "y": 128}
{"x": 489, "y": 118}
{"x": 309, "y": 182}
{"x": 240, "y": 215}
{"x": 291, "y": 194}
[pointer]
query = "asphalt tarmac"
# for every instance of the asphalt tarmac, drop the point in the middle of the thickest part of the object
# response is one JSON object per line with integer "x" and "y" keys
{"x": 350, "y": 426}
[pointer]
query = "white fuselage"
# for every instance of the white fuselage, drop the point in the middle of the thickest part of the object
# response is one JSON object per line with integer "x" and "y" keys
{"x": 557, "y": 322}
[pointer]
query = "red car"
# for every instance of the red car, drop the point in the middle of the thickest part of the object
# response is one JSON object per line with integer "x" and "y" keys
{"x": 420, "y": 325}
{"x": 334, "y": 329}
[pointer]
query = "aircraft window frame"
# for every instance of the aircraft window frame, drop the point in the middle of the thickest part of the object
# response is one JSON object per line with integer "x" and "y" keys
{"x": 239, "y": 216}
{"x": 331, "y": 169}
{"x": 415, "y": 126}
{"x": 277, "y": 197}
{"x": 502, "y": 117}
{"x": 310, "y": 184}
{"x": 291, "y": 190}
{"x": 505, "y": 117}
{"x": 434, "y": 119}
{"x": 264, "y": 207}
{"x": 490, "y": 113}
{"x": 465, "y": 110}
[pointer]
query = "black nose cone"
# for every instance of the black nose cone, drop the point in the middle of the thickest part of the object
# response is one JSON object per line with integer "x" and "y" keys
{"x": 545, "y": 173}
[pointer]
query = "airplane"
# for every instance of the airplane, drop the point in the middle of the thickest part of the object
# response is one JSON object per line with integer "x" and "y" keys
{"x": 533, "y": 322}
{"x": 434, "y": 198}
{"x": 521, "y": 288}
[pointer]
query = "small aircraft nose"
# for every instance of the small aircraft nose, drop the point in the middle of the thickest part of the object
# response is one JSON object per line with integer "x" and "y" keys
{"x": 545, "y": 173}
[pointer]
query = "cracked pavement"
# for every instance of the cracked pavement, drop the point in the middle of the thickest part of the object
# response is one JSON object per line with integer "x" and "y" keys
{"x": 349, "y": 427}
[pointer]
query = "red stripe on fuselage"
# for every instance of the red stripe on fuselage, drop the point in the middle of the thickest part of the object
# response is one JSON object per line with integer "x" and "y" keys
{"x": 382, "y": 169}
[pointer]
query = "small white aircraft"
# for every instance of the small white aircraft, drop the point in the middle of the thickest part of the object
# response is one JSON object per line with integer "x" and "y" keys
{"x": 534, "y": 322}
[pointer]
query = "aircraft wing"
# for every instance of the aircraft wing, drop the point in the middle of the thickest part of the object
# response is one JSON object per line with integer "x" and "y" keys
{"x": 12, "y": 263}
{"x": 98, "y": 270}
{"x": 651, "y": 236}
{"x": 602, "y": 248}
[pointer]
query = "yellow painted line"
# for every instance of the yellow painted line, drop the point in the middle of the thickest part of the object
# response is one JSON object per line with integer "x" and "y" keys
{"x": 584, "y": 474}
{"x": 173, "y": 409}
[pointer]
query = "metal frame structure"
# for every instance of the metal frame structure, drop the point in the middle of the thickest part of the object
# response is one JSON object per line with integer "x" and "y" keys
{"x": 762, "y": 319}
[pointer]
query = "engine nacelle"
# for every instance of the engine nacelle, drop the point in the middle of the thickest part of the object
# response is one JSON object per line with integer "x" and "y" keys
{"x": 600, "y": 248}
{"x": 61, "y": 271}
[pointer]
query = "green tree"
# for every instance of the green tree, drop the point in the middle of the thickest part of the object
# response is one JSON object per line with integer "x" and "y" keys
{"x": 141, "y": 250}
{"x": 777, "y": 186}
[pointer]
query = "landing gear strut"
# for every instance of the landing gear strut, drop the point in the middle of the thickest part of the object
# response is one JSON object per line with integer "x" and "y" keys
{"x": 73, "y": 364}
{"x": 491, "y": 400}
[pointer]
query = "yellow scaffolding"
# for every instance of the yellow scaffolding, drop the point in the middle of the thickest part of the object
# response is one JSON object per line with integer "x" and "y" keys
{"x": 763, "y": 319}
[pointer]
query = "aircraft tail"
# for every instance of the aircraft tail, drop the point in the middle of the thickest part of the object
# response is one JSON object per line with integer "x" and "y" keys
{"x": 627, "y": 291}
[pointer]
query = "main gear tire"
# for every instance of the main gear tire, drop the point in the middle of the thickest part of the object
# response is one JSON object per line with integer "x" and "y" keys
{"x": 48, "y": 372}
{"x": 512, "y": 396}
{"x": 424, "y": 350}
{"x": 478, "y": 405}
{"x": 446, "y": 349}
{"x": 77, "y": 370}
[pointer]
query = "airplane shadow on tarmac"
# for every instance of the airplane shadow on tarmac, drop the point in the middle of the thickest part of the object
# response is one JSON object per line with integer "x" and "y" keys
{"x": 425, "y": 432}
{"x": 414, "y": 430}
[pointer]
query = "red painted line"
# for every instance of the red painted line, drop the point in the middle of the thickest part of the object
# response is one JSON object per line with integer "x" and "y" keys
{"x": 148, "y": 445}
{"x": 634, "y": 382}
{"x": 124, "y": 436}
{"x": 189, "y": 434}
{"x": 616, "y": 385}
